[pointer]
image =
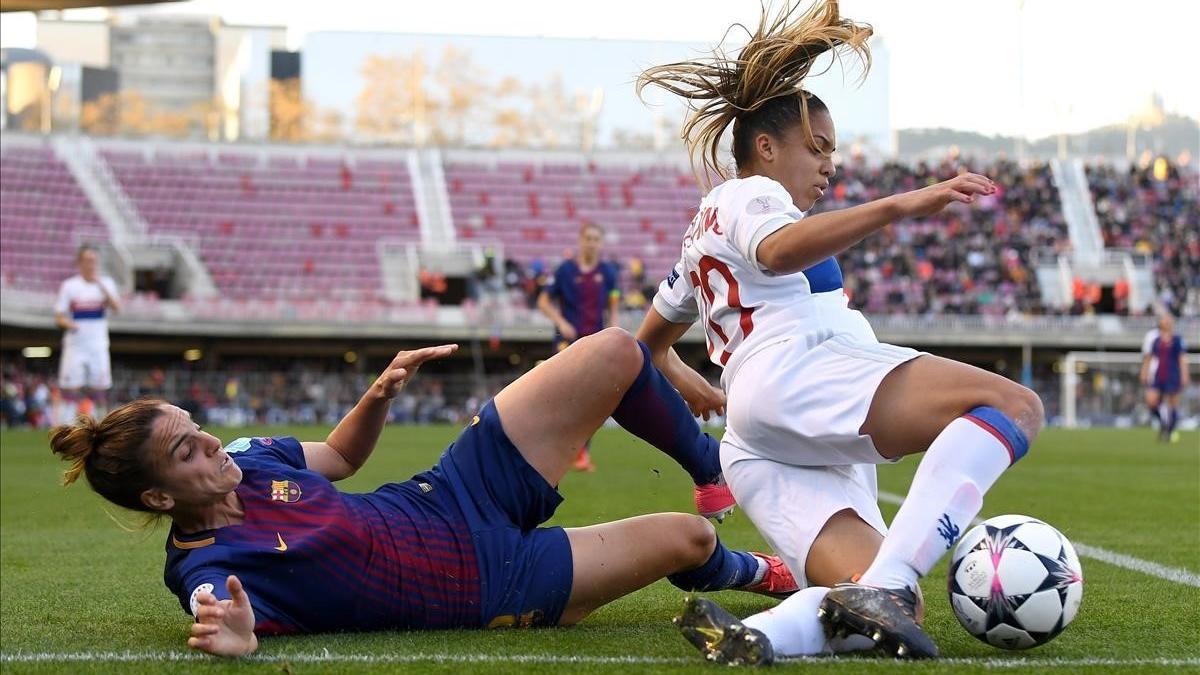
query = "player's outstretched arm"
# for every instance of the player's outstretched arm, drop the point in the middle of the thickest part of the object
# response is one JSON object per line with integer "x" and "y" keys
{"x": 224, "y": 627}
{"x": 353, "y": 439}
{"x": 807, "y": 242}
{"x": 659, "y": 334}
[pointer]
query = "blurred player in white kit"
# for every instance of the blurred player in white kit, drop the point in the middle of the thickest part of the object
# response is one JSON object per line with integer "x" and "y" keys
{"x": 81, "y": 311}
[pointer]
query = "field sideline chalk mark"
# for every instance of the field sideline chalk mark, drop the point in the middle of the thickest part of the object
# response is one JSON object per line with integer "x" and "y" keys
{"x": 1179, "y": 576}
{"x": 328, "y": 657}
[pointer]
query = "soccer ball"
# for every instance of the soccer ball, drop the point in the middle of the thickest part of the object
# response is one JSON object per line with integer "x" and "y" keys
{"x": 1015, "y": 582}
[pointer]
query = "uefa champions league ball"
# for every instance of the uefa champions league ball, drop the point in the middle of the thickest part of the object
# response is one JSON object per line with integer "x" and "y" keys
{"x": 1015, "y": 582}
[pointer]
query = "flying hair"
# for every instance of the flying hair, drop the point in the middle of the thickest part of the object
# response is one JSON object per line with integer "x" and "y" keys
{"x": 721, "y": 90}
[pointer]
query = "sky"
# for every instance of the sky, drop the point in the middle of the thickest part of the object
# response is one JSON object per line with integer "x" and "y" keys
{"x": 1016, "y": 67}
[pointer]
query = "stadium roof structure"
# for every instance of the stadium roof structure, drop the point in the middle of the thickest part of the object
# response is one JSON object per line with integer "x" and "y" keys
{"x": 39, "y": 5}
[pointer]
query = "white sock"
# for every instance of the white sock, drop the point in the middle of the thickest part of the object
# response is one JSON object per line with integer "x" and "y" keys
{"x": 960, "y": 466}
{"x": 763, "y": 568}
{"x": 793, "y": 628}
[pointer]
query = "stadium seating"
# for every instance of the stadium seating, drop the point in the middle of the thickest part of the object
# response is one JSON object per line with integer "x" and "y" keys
{"x": 282, "y": 225}
{"x": 45, "y": 216}
{"x": 535, "y": 210}
{"x": 276, "y": 226}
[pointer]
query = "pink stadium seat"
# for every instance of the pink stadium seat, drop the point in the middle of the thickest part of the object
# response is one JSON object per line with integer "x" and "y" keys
{"x": 43, "y": 216}
{"x": 263, "y": 228}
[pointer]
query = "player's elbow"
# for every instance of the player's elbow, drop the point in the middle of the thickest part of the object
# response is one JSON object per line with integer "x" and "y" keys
{"x": 781, "y": 253}
{"x": 770, "y": 254}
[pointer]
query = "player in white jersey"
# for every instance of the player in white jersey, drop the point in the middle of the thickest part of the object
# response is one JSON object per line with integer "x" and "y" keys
{"x": 814, "y": 399}
{"x": 81, "y": 309}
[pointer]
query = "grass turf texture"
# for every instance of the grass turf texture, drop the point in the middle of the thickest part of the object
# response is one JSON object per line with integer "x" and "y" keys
{"x": 72, "y": 581}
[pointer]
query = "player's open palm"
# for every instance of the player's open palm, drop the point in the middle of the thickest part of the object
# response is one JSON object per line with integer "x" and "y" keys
{"x": 405, "y": 365}
{"x": 224, "y": 627}
{"x": 963, "y": 188}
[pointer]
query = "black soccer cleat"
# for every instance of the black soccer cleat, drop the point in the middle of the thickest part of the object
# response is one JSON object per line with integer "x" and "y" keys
{"x": 721, "y": 637}
{"x": 886, "y": 615}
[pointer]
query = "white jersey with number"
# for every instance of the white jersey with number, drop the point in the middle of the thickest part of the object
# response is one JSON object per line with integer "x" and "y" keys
{"x": 83, "y": 302}
{"x": 742, "y": 306}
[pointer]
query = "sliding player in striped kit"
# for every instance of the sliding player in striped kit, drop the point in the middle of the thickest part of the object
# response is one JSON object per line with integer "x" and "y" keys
{"x": 814, "y": 399}
{"x": 263, "y": 542}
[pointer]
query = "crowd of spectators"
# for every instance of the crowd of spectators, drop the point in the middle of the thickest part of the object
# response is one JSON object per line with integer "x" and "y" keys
{"x": 1153, "y": 208}
{"x": 976, "y": 260}
{"x": 967, "y": 260}
{"x": 240, "y": 394}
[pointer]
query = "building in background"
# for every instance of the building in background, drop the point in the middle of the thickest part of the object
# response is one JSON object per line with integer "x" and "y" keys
{"x": 170, "y": 61}
{"x": 190, "y": 74}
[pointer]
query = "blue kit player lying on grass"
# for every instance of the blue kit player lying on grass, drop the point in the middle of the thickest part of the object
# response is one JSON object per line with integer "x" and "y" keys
{"x": 262, "y": 542}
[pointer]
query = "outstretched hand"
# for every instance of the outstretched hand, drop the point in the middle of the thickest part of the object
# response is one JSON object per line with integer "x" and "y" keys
{"x": 405, "y": 365}
{"x": 224, "y": 627}
{"x": 927, "y": 201}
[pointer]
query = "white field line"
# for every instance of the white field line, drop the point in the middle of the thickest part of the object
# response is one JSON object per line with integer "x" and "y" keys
{"x": 552, "y": 659}
{"x": 1175, "y": 574}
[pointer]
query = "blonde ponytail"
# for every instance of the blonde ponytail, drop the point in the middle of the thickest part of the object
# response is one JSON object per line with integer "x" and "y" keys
{"x": 773, "y": 65}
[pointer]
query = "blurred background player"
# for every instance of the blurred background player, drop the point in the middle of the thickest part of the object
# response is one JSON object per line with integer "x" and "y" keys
{"x": 80, "y": 311}
{"x": 582, "y": 298}
{"x": 1165, "y": 374}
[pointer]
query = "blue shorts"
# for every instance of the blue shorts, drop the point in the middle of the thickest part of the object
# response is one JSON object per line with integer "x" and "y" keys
{"x": 525, "y": 571}
{"x": 1170, "y": 387}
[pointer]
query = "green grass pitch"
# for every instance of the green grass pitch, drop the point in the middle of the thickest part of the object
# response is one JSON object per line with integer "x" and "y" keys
{"x": 78, "y": 594}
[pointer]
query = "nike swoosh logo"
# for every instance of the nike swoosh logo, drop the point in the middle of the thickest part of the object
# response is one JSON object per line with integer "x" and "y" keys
{"x": 282, "y": 546}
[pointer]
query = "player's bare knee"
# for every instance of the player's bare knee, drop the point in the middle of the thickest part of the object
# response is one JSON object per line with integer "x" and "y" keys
{"x": 1027, "y": 412}
{"x": 619, "y": 350}
{"x": 1021, "y": 404}
{"x": 696, "y": 538}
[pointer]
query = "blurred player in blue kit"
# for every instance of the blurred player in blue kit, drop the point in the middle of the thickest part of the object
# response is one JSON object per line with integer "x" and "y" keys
{"x": 1165, "y": 374}
{"x": 582, "y": 298}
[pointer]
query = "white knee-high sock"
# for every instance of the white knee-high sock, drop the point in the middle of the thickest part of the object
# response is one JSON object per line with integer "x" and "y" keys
{"x": 793, "y": 628}
{"x": 947, "y": 492}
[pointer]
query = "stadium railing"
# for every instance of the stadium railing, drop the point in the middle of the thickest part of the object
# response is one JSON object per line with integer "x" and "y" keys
{"x": 502, "y": 317}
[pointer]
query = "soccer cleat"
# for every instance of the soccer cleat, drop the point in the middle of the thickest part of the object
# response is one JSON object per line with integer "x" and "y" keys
{"x": 886, "y": 615}
{"x": 714, "y": 500}
{"x": 721, "y": 637}
{"x": 583, "y": 460}
{"x": 778, "y": 582}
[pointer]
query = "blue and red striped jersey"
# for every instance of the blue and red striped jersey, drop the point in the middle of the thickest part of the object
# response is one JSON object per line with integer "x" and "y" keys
{"x": 315, "y": 559}
{"x": 1167, "y": 353}
{"x": 583, "y": 295}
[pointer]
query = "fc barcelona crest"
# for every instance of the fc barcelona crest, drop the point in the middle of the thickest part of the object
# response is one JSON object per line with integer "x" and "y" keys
{"x": 284, "y": 491}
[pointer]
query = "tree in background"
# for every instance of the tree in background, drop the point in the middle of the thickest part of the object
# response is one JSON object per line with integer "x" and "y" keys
{"x": 464, "y": 90}
{"x": 289, "y": 111}
{"x": 390, "y": 105}
{"x": 456, "y": 102}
